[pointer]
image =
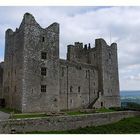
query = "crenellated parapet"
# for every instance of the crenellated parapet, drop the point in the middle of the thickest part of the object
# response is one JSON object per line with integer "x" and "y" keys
{"x": 79, "y": 52}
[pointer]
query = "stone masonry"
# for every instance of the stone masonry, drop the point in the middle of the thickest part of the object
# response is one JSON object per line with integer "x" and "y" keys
{"x": 35, "y": 79}
{"x": 1, "y": 78}
{"x": 61, "y": 123}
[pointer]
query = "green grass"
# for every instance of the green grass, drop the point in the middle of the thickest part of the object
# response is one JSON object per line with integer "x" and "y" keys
{"x": 125, "y": 126}
{"x": 17, "y": 114}
{"x": 32, "y": 115}
{"x": 35, "y": 115}
{"x": 102, "y": 110}
{"x": 9, "y": 110}
{"x": 77, "y": 113}
{"x": 133, "y": 105}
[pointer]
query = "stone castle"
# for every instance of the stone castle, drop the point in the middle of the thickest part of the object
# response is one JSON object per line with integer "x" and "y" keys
{"x": 35, "y": 79}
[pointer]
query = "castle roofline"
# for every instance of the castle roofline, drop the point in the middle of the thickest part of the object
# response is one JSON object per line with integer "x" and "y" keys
{"x": 28, "y": 19}
{"x": 9, "y": 32}
{"x": 102, "y": 42}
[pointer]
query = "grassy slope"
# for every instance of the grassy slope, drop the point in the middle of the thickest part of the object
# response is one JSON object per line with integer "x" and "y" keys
{"x": 9, "y": 110}
{"x": 33, "y": 115}
{"x": 125, "y": 126}
{"x": 17, "y": 114}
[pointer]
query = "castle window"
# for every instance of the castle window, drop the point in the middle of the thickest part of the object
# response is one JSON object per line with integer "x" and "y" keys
{"x": 109, "y": 55}
{"x": 55, "y": 99}
{"x": 43, "y": 55}
{"x": 15, "y": 88}
{"x": 8, "y": 89}
{"x": 70, "y": 88}
{"x": 102, "y": 93}
{"x": 108, "y": 90}
{"x": 79, "y": 89}
{"x": 43, "y": 71}
{"x": 43, "y": 39}
{"x": 71, "y": 101}
{"x": 62, "y": 71}
{"x": 86, "y": 73}
{"x": 101, "y": 104}
{"x": 8, "y": 74}
{"x": 94, "y": 56}
{"x": 43, "y": 88}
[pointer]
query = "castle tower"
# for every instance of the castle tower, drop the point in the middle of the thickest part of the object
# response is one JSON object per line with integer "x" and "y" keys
{"x": 31, "y": 70}
{"x": 78, "y": 52}
{"x": 13, "y": 68}
{"x": 107, "y": 63}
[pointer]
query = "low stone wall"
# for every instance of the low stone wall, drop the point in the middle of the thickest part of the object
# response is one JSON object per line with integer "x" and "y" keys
{"x": 63, "y": 122}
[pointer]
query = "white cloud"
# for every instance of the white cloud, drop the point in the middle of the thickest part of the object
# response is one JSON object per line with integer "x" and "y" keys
{"x": 85, "y": 24}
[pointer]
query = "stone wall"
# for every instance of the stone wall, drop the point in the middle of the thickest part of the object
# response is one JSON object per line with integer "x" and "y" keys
{"x": 13, "y": 68}
{"x": 78, "y": 84}
{"x": 63, "y": 122}
{"x": 107, "y": 63}
{"x": 22, "y": 68}
{"x": 104, "y": 58}
{"x": 1, "y": 78}
{"x": 38, "y": 41}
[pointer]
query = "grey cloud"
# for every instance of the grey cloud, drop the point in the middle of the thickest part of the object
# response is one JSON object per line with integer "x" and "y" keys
{"x": 85, "y": 24}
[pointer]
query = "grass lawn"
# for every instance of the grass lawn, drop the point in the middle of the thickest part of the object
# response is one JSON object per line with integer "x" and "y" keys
{"x": 125, "y": 126}
{"x": 18, "y": 114}
{"x": 35, "y": 115}
{"x": 32, "y": 115}
{"x": 102, "y": 110}
{"x": 77, "y": 113}
{"x": 9, "y": 110}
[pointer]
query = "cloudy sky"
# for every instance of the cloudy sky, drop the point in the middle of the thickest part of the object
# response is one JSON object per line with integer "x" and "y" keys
{"x": 85, "y": 24}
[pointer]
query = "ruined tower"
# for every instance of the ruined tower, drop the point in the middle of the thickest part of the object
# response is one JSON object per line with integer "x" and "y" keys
{"x": 31, "y": 70}
{"x": 107, "y": 63}
{"x": 104, "y": 58}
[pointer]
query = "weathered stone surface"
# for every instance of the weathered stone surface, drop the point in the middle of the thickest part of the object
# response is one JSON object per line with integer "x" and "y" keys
{"x": 4, "y": 116}
{"x": 88, "y": 78}
{"x": 63, "y": 122}
{"x": 1, "y": 78}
